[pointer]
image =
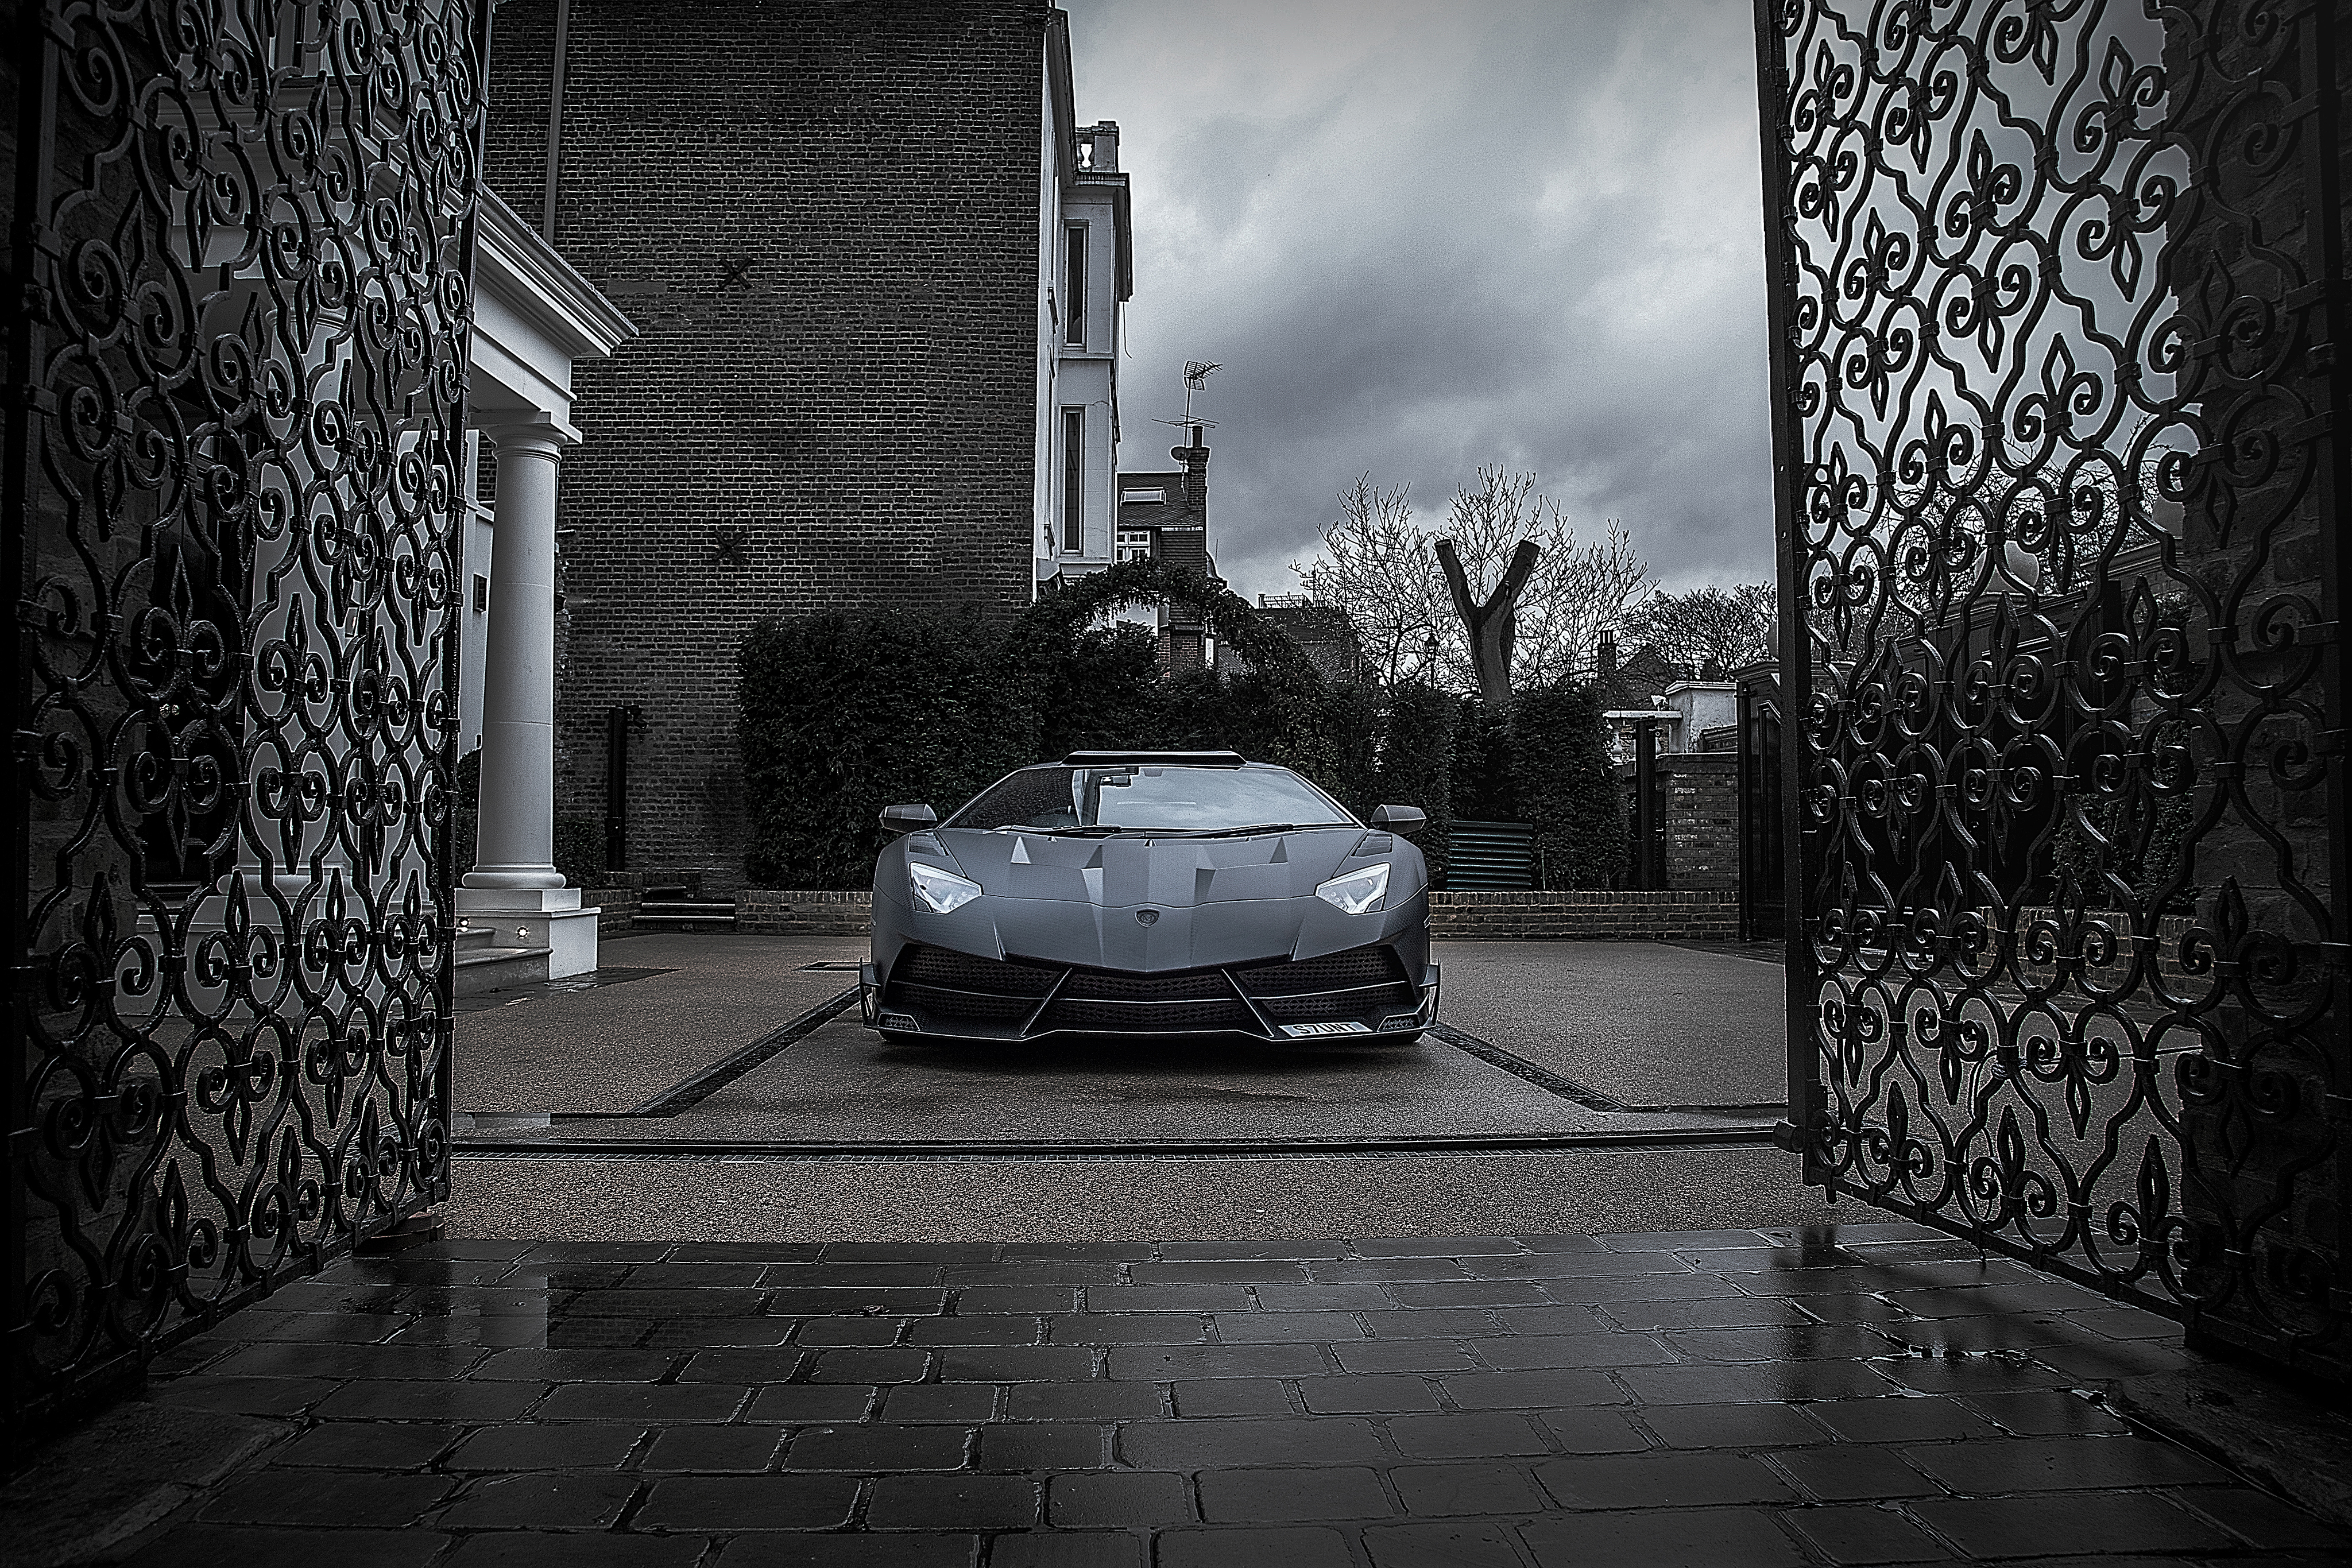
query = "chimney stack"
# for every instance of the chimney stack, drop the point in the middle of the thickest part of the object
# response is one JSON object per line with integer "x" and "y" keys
{"x": 1104, "y": 138}
{"x": 1195, "y": 459}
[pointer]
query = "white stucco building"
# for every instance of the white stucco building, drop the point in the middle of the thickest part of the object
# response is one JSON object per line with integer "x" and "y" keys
{"x": 534, "y": 317}
{"x": 1085, "y": 275}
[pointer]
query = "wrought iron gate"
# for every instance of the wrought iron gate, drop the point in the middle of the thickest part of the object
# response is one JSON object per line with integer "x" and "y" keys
{"x": 2059, "y": 302}
{"x": 233, "y": 404}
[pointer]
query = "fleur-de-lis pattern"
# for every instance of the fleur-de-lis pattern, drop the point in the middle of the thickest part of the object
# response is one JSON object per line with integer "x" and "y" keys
{"x": 236, "y": 386}
{"x": 2057, "y": 306}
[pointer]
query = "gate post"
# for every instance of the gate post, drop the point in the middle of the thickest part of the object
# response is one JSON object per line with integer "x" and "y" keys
{"x": 1807, "y": 1101}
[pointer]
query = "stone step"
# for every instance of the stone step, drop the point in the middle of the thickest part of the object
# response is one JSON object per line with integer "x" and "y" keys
{"x": 685, "y": 915}
{"x": 481, "y": 969}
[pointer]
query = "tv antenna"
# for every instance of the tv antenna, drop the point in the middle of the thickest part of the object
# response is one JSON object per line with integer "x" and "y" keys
{"x": 1196, "y": 377}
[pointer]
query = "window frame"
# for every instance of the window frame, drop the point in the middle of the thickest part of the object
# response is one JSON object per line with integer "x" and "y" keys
{"x": 1074, "y": 479}
{"x": 1074, "y": 236}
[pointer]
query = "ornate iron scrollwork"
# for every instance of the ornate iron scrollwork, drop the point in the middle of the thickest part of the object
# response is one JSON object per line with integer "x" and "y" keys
{"x": 236, "y": 402}
{"x": 2057, "y": 291}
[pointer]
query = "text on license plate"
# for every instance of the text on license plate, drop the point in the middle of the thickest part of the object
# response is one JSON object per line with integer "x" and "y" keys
{"x": 1350, "y": 1027}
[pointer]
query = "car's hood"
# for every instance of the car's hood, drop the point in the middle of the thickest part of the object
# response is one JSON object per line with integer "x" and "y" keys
{"x": 1165, "y": 873}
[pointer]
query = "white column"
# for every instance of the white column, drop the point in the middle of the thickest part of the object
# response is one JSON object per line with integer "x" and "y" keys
{"x": 515, "y": 845}
{"x": 514, "y": 888}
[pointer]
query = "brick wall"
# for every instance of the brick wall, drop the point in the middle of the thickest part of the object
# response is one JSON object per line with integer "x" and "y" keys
{"x": 616, "y": 907}
{"x": 823, "y": 221}
{"x": 1698, "y": 828}
{"x": 1692, "y": 916}
{"x": 775, "y": 912}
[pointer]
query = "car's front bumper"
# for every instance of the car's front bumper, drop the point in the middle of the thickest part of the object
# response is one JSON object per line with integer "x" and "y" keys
{"x": 1362, "y": 993}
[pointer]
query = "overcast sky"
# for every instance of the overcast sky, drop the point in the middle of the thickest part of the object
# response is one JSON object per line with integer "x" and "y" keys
{"x": 1425, "y": 236}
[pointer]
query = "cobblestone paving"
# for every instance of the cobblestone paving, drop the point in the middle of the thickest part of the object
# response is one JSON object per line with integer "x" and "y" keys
{"x": 1858, "y": 1395}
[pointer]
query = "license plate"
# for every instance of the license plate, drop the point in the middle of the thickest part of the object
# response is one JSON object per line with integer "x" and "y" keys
{"x": 1352, "y": 1027}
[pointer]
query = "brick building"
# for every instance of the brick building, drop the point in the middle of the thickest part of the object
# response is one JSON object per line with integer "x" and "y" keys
{"x": 838, "y": 229}
{"x": 1165, "y": 513}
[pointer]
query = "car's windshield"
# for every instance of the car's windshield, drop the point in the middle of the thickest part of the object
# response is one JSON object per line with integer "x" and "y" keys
{"x": 1145, "y": 798}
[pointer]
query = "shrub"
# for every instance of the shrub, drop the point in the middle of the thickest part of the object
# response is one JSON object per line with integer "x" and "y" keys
{"x": 1354, "y": 730}
{"x": 844, "y": 714}
{"x": 580, "y": 851}
{"x": 1416, "y": 764}
{"x": 1564, "y": 787}
{"x": 1104, "y": 693}
{"x": 1480, "y": 768}
{"x": 465, "y": 808}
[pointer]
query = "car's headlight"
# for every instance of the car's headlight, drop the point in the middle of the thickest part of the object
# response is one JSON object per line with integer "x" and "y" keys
{"x": 940, "y": 891}
{"x": 1359, "y": 892}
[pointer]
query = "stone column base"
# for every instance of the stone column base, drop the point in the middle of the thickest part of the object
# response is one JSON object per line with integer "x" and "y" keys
{"x": 549, "y": 918}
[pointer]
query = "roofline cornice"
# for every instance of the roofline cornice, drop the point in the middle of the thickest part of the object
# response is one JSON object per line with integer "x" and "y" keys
{"x": 533, "y": 280}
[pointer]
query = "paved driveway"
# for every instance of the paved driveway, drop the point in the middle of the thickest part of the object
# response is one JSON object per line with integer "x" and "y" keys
{"x": 706, "y": 1081}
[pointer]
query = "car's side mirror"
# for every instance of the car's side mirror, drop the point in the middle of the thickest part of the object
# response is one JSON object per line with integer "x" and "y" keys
{"x": 908, "y": 819}
{"x": 1399, "y": 819}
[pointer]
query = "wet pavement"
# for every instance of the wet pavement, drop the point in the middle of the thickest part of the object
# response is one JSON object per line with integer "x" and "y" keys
{"x": 1861, "y": 1395}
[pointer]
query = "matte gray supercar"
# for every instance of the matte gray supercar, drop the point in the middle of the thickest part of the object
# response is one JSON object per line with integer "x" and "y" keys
{"x": 1159, "y": 894}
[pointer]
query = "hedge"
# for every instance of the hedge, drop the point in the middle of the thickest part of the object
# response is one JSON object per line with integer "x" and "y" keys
{"x": 1564, "y": 786}
{"x": 1416, "y": 763}
{"x": 843, "y": 714}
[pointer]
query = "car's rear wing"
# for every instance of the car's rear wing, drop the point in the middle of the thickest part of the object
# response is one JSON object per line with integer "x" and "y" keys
{"x": 1154, "y": 760}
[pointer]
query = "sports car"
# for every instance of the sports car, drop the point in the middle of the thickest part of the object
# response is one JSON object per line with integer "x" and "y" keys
{"x": 1149, "y": 893}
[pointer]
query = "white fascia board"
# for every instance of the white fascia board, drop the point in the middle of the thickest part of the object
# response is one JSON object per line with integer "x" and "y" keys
{"x": 515, "y": 267}
{"x": 510, "y": 367}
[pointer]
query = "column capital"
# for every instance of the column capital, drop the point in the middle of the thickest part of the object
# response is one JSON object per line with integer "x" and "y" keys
{"x": 540, "y": 434}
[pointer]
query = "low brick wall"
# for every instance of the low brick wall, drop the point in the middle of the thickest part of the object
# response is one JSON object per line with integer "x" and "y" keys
{"x": 1701, "y": 915}
{"x": 616, "y": 907}
{"x": 1676, "y": 915}
{"x": 784, "y": 911}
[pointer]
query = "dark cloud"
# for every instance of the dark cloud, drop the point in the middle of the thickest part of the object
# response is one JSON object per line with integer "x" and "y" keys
{"x": 1426, "y": 237}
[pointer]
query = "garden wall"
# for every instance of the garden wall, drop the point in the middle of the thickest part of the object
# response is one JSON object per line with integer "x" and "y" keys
{"x": 773, "y": 912}
{"x": 616, "y": 907}
{"x": 1703, "y": 915}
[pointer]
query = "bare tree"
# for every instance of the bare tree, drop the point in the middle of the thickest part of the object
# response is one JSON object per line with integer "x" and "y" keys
{"x": 1708, "y": 625}
{"x": 1378, "y": 567}
{"x": 1382, "y": 570}
{"x": 1577, "y": 591}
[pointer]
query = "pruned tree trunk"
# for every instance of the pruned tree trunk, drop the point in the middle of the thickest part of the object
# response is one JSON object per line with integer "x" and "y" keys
{"x": 1490, "y": 628}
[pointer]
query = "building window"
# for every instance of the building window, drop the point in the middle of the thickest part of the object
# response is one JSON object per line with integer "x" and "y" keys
{"x": 481, "y": 595}
{"x": 1073, "y": 289}
{"x": 1147, "y": 496}
{"x": 1073, "y": 481}
{"x": 1135, "y": 544}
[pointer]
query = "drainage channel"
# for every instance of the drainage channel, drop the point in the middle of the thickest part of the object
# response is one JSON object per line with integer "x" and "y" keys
{"x": 507, "y": 1135}
{"x": 645, "y": 1149}
{"x": 1591, "y": 1098}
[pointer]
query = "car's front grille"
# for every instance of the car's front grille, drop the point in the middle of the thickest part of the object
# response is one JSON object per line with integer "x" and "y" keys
{"x": 963, "y": 1006}
{"x": 951, "y": 992}
{"x": 1165, "y": 1017}
{"x": 1355, "y": 967}
{"x": 1188, "y": 986}
{"x": 968, "y": 972}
